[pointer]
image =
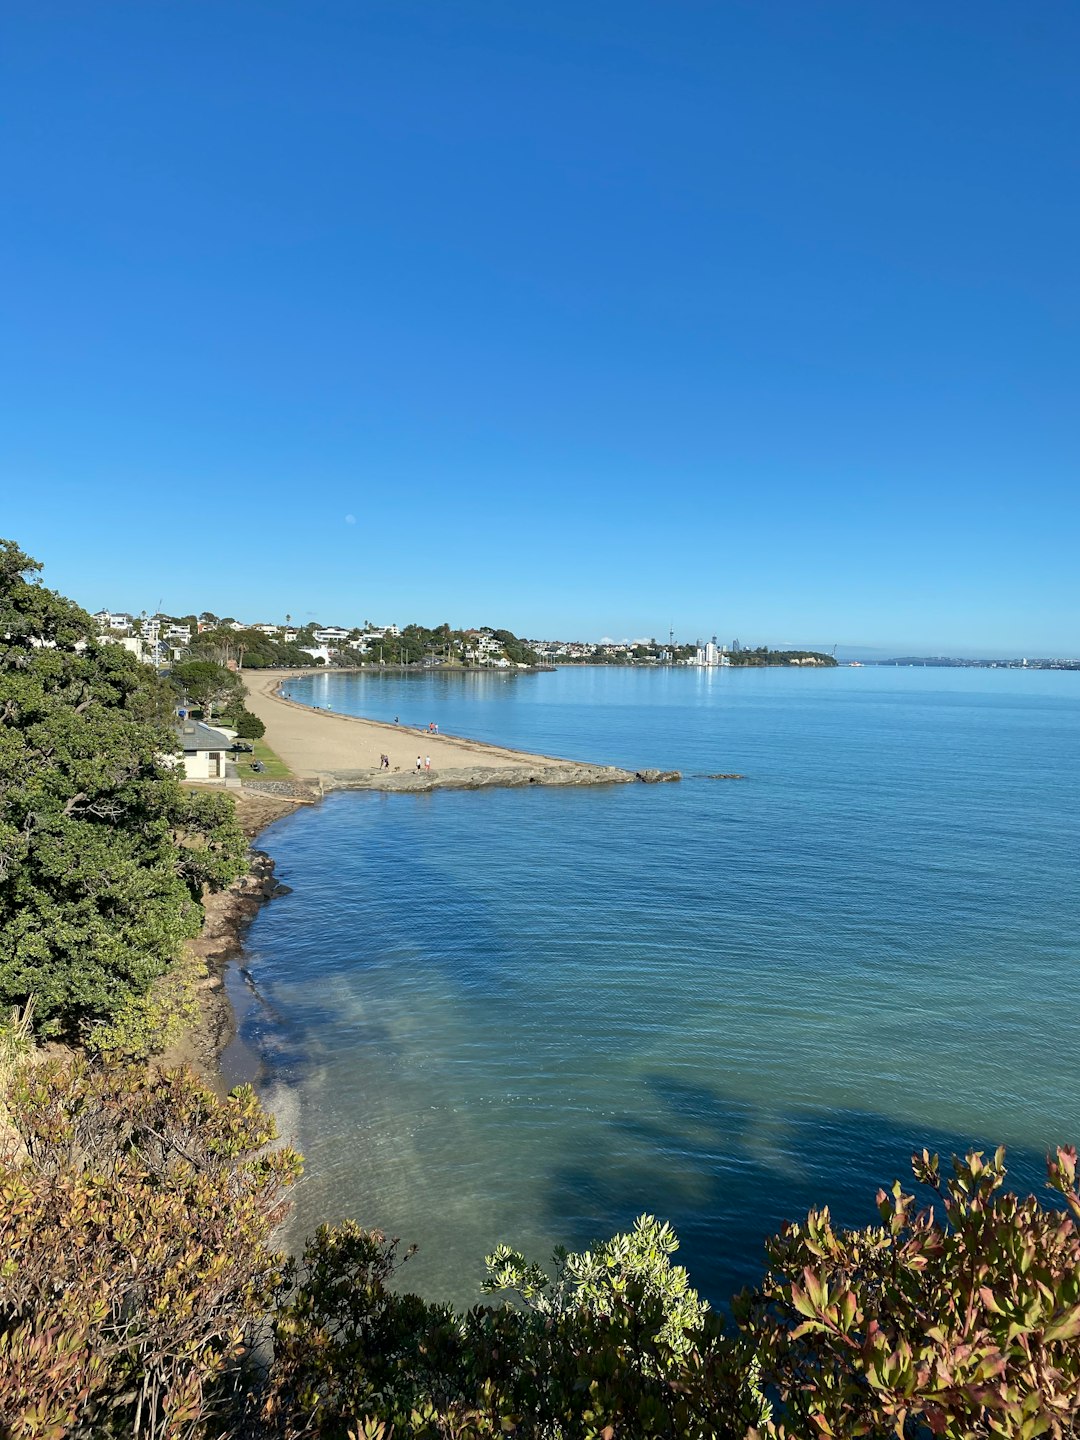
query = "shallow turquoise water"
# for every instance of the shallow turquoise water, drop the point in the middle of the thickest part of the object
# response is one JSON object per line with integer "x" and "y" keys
{"x": 531, "y": 1015}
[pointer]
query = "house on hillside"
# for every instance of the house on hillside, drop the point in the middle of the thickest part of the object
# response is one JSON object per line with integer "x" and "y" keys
{"x": 205, "y": 750}
{"x": 110, "y": 621}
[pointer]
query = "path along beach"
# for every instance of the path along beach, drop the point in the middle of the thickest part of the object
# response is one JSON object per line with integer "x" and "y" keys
{"x": 342, "y": 752}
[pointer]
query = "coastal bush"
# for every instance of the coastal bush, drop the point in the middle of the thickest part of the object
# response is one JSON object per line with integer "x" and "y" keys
{"x": 613, "y": 1343}
{"x": 142, "y": 1026}
{"x": 103, "y": 854}
{"x": 140, "y": 1296}
{"x": 961, "y": 1319}
{"x": 135, "y": 1261}
{"x": 249, "y": 648}
{"x": 638, "y": 1262}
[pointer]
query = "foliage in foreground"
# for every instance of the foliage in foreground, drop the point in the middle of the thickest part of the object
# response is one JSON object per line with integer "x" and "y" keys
{"x": 103, "y": 854}
{"x": 961, "y": 1319}
{"x": 135, "y": 1220}
{"x": 140, "y": 1296}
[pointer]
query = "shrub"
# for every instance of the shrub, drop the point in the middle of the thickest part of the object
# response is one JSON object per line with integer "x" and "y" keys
{"x": 135, "y": 1224}
{"x": 615, "y": 1343}
{"x": 146, "y": 1025}
{"x": 135, "y": 1270}
{"x": 960, "y": 1320}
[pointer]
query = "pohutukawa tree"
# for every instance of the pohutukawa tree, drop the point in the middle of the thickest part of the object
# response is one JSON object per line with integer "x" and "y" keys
{"x": 103, "y": 854}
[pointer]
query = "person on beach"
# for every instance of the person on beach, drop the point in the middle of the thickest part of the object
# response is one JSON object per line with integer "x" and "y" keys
{"x": 418, "y": 764}
{"x": 427, "y": 762}
{"x": 395, "y": 719}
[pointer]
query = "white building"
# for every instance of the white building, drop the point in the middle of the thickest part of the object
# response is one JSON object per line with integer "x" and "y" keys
{"x": 205, "y": 750}
{"x": 110, "y": 621}
{"x": 710, "y": 655}
{"x": 317, "y": 652}
{"x": 134, "y": 644}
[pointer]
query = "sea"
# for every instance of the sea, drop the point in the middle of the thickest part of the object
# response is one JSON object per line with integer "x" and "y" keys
{"x": 531, "y": 1015}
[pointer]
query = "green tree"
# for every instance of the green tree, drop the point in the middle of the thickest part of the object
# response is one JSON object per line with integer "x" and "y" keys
{"x": 103, "y": 854}
{"x": 515, "y": 649}
{"x": 207, "y": 684}
{"x": 249, "y": 726}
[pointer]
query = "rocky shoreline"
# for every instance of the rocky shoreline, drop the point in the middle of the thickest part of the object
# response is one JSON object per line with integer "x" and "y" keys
{"x": 227, "y": 917}
{"x": 475, "y": 777}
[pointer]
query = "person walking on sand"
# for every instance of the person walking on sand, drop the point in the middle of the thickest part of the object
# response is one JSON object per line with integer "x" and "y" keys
{"x": 419, "y": 764}
{"x": 427, "y": 762}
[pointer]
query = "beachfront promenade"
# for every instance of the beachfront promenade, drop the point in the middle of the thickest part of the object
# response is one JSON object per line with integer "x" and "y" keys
{"x": 343, "y": 752}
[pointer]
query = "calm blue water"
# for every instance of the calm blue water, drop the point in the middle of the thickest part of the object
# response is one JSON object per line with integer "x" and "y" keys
{"x": 530, "y": 1015}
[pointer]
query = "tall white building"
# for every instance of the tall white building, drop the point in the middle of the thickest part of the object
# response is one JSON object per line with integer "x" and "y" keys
{"x": 711, "y": 655}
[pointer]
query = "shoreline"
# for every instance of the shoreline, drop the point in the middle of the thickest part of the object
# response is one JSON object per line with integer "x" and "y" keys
{"x": 313, "y": 744}
{"x": 342, "y": 752}
{"x": 227, "y": 914}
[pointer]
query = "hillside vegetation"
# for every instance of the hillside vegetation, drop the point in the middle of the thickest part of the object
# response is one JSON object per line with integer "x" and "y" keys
{"x": 103, "y": 854}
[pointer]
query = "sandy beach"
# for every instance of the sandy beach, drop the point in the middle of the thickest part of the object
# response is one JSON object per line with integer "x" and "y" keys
{"x": 342, "y": 751}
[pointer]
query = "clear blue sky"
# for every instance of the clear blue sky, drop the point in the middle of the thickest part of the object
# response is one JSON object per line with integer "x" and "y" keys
{"x": 578, "y": 318}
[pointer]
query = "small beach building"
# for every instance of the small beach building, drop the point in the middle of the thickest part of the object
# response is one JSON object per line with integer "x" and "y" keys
{"x": 205, "y": 750}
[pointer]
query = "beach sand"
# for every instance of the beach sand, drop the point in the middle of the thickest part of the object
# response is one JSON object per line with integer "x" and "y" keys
{"x": 342, "y": 751}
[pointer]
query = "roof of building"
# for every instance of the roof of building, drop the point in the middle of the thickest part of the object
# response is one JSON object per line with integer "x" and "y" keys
{"x": 194, "y": 735}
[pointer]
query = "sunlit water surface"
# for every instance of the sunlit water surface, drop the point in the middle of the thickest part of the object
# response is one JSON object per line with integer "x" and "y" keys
{"x": 530, "y": 1015}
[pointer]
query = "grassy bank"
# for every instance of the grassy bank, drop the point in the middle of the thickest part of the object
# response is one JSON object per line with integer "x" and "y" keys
{"x": 275, "y": 767}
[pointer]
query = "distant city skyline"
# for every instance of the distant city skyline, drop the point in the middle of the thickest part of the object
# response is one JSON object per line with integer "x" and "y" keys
{"x": 582, "y": 320}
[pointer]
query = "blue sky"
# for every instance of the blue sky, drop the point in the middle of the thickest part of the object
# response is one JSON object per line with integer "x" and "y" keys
{"x": 757, "y": 318}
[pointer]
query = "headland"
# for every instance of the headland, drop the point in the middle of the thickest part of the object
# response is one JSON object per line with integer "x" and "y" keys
{"x": 344, "y": 752}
